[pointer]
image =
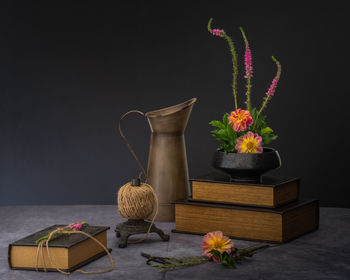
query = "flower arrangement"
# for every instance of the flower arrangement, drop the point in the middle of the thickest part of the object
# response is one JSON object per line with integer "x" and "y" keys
{"x": 244, "y": 130}
{"x": 215, "y": 247}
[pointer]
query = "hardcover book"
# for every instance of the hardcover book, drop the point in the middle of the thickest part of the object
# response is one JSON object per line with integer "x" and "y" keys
{"x": 276, "y": 225}
{"x": 68, "y": 251}
{"x": 270, "y": 192}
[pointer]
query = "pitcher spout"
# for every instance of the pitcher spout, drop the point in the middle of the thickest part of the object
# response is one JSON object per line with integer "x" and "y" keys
{"x": 171, "y": 119}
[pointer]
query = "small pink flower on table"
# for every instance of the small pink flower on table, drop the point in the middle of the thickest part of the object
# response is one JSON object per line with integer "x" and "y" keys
{"x": 240, "y": 119}
{"x": 249, "y": 143}
{"x": 217, "y": 241}
{"x": 77, "y": 226}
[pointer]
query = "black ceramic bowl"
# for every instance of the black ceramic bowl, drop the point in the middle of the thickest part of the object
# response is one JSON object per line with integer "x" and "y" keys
{"x": 247, "y": 167}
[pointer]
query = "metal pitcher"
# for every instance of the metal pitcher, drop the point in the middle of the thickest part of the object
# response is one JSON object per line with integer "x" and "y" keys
{"x": 167, "y": 170}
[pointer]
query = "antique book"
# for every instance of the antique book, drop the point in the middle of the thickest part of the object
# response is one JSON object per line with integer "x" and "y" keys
{"x": 68, "y": 252}
{"x": 268, "y": 224}
{"x": 272, "y": 191}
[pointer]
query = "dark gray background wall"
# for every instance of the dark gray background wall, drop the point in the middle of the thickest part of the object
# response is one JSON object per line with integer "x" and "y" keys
{"x": 67, "y": 73}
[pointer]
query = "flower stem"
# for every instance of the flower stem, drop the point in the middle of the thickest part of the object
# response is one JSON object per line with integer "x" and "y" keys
{"x": 272, "y": 88}
{"x": 209, "y": 25}
{"x": 248, "y": 93}
{"x": 234, "y": 67}
{"x": 234, "y": 58}
{"x": 266, "y": 99}
{"x": 244, "y": 37}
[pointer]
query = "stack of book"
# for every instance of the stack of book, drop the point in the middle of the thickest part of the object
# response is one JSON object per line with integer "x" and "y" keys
{"x": 267, "y": 211}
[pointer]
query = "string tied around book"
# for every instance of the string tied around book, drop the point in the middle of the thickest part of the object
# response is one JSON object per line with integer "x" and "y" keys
{"x": 136, "y": 199}
{"x": 64, "y": 231}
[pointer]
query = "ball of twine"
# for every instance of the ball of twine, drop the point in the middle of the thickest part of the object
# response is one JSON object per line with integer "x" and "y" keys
{"x": 136, "y": 202}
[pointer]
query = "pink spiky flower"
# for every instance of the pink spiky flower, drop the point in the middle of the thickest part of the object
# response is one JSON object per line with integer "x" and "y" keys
{"x": 248, "y": 63}
{"x": 218, "y": 32}
{"x": 248, "y": 68}
{"x": 272, "y": 88}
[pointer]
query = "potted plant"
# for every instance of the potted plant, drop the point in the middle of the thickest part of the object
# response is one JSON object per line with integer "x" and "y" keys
{"x": 244, "y": 132}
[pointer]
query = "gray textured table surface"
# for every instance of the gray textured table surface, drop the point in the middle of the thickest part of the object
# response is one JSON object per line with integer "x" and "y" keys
{"x": 323, "y": 254}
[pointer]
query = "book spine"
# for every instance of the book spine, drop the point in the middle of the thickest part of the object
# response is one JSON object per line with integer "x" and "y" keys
{"x": 9, "y": 256}
{"x": 233, "y": 194}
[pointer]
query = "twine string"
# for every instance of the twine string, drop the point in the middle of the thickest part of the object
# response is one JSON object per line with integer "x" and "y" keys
{"x": 64, "y": 231}
{"x": 39, "y": 252}
{"x": 136, "y": 200}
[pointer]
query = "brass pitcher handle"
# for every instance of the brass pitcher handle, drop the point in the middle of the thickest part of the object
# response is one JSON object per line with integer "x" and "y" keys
{"x": 127, "y": 143}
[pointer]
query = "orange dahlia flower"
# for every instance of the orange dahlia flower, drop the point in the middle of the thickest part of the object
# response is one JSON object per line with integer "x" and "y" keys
{"x": 249, "y": 143}
{"x": 239, "y": 120}
{"x": 217, "y": 241}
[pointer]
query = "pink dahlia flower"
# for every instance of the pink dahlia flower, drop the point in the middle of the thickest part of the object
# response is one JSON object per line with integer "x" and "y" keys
{"x": 240, "y": 119}
{"x": 249, "y": 143}
{"x": 217, "y": 241}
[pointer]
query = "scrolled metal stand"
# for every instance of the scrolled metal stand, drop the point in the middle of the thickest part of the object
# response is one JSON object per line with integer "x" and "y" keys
{"x": 130, "y": 227}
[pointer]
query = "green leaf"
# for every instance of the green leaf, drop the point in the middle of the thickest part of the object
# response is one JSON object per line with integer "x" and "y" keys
{"x": 230, "y": 262}
{"x": 215, "y": 253}
{"x": 218, "y": 133}
{"x": 222, "y": 133}
{"x": 225, "y": 259}
{"x": 217, "y": 124}
{"x": 258, "y": 121}
{"x": 228, "y": 148}
{"x": 268, "y": 138}
{"x": 231, "y": 133}
{"x": 225, "y": 119}
{"x": 266, "y": 130}
{"x": 253, "y": 113}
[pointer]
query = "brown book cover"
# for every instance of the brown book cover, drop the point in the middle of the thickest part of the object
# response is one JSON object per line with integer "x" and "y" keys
{"x": 275, "y": 225}
{"x": 271, "y": 192}
{"x": 68, "y": 251}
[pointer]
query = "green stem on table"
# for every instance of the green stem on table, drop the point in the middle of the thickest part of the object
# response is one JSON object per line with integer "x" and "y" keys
{"x": 172, "y": 263}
